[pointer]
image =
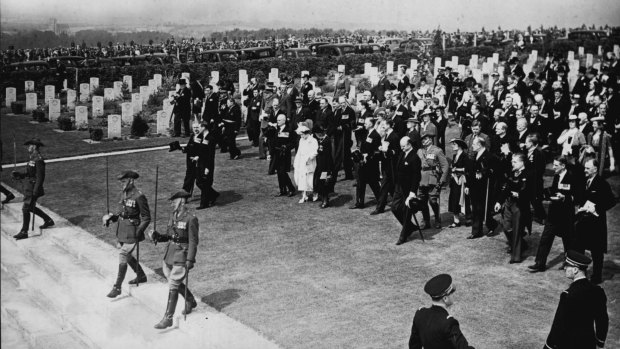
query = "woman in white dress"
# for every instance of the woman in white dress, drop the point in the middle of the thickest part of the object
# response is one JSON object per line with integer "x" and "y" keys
{"x": 305, "y": 162}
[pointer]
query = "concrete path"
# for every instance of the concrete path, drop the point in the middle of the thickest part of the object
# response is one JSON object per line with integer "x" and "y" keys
{"x": 54, "y": 288}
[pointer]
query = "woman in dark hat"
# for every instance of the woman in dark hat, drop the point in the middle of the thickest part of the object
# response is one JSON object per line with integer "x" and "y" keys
{"x": 33, "y": 187}
{"x": 460, "y": 162}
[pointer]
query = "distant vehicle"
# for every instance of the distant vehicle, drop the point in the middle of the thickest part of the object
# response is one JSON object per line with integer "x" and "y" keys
{"x": 312, "y": 47}
{"x": 97, "y": 63}
{"x": 27, "y": 66}
{"x": 414, "y": 45}
{"x": 161, "y": 58}
{"x": 131, "y": 60}
{"x": 367, "y": 48}
{"x": 256, "y": 53}
{"x": 219, "y": 56}
{"x": 335, "y": 50}
{"x": 594, "y": 35}
{"x": 391, "y": 43}
{"x": 296, "y": 53}
{"x": 67, "y": 61}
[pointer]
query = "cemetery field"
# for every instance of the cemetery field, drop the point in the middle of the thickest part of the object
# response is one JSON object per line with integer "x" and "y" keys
{"x": 333, "y": 278}
{"x": 62, "y": 144}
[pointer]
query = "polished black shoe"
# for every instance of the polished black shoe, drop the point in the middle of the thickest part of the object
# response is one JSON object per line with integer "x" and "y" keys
{"x": 21, "y": 235}
{"x": 514, "y": 261}
{"x": 201, "y": 207}
{"x": 116, "y": 291}
{"x": 472, "y": 236}
{"x": 138, "y": 280}
{"x": 47, "y": 224}
{"x": 437, "y": 225}
{"x": 536, "y": 268}
{"x": 376, "y": 212}
{"x": 425, "y": 225}
{"x": 291, "y": 194}
{"x": 325, "y": 205}
{"x": 8, "y": 198}
{"x": 279, "y": 195}
{"x": 356, "y": 206}
{"x": 164, "y": 323}
{"x": 400, "y": 241}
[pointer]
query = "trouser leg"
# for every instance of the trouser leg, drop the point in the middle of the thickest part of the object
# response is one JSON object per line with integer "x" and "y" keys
{"x": 544, "y": 246}
{"x": 597, "y": 265}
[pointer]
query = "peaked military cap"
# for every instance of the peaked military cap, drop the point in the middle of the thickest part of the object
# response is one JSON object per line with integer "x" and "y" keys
{"x": 128, "y": 174}
{"x": 180, "y": 194}
{"x": 439, "y": 286}
{"x": 577, "y": 259}
{"x": 34, "y": 141}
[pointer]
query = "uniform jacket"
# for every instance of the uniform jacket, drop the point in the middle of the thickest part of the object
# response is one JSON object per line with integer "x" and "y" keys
{"x": 232, "y": 118}
{"x": 434, "y": 166}
{"x": 280, "y": 146}
{"x": 324, "y": 117}
{"x": 370, "y": 147}
{"x": 581, "y": 320}
{"x": 401, "y": 114}
{"x": 389, "y": 158}
{"x": 33, "y": 176}
{"x": 182, "y": 236}
{"x": 516, "y": 189}
{"x": 255, "y": 107}
{"x": 434, "y": 328}
{"x": 379, "y": 90}
{"x": 133, "y": 217}
{"x": 305, "y": 88}
{"x": 211, "y": 110}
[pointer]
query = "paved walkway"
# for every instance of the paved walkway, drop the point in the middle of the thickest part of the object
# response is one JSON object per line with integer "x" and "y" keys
{"x": 54, "y": 288}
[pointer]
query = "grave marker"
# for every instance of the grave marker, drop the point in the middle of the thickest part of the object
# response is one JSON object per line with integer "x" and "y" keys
{"x": 50, "y": 93}
{"x": 97, "y": 106}
{"x": 84, "y": 92}
{"x": 54, "y": 109}
{"x": 114, "y": 126}
{"x": 31, "y": 101}
{"x": 108, "y": 94}
{"x": 127, "y": 112}
{"x": 118, "y": 89}
{"x": 94, "y": 84}
{"x": 81, "y": 115}
{"x": 162, "y": 122}
{"x": 29, "y": 85}
{"x": 71, "y": 94}
{"x": 158, "y": 80}
{"x": 144, "y": 93}
{"x": 11, "y": 96}
{"x": 136, "y": 102}
{"x": 127, "y": 79}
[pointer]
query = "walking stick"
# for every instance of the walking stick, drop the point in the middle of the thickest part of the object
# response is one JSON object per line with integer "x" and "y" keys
{"x": 486, "y": 203}
{"x": 185, "y": 295}
{"x": 14, "y": 154}
{"x": 415, "y": 219}
{"x": 107, "y": 188}
{"x": 155, "y": 212}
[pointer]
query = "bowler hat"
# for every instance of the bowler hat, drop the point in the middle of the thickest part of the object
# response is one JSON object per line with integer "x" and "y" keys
{"x": 180, "y": 194}
{"x": 128, "y": 174}
{"x": 413, "y": 120}
{"x": 318, "y": 129}
{"x": 174, "y": 146}
{"x": 34, "y": 141}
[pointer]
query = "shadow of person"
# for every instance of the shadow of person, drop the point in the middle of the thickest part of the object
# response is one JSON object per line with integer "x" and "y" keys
{"x": 340, "y": 200}
{"x": 77, "y": 219}
{"x": 610, "y": 269}
{"x": 221, "y": 299}
{"x": 227, "y": 197}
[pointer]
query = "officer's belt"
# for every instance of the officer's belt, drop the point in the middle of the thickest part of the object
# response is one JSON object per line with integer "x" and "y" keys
{"x": 121, "y": 216}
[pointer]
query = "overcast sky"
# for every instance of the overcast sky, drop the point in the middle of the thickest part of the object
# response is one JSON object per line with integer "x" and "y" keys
{"x": 386, "y": 14}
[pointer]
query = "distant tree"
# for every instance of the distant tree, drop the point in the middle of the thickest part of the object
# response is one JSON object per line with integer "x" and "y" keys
{"x": 204, "y": 39}
{"x": 151, "y": 42}
{"x": 99, "y": 44}
{"x": 437, "y": 47}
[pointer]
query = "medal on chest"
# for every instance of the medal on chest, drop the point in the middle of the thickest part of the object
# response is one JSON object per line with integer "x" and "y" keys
{"x": 130, "y": 203}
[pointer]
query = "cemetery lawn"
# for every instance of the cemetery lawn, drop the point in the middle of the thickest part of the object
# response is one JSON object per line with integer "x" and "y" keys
{"x": 333, "y": 278}
{"x": 62, "y": 144}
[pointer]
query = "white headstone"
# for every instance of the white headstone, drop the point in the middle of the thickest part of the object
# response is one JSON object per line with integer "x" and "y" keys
{"x": 597, "y": 66}
{"x": 162, "y": 122}
{"x": 152, "y": 86}
{"x": 477, "y": 74}
{"x": 496, "y": 58}
{"x": 500, "y": 71}
{"x": 81, "y": 115}
{"x": 600, "y": 51}
{"x": 589, "y": 60}
{"x": 158, "y": 80}
{"x": 97, "y": 106}
{"x": 437, "y": 65}
{"x": 414, "y": 64}
{"x": 11, "y": 96}
{"x": 29, "y": 85}
{"x": 108, "y": 94}
{"x": 186, "y": 77}
{"x": 94, "y": 84}
{"x": 50, "y": 93}
{"x": 341, "y": 68}
{"x": 127, "y": 79}
{"x": 352, "y": 92}
{"x": 617, "y": 50}
{"x": 243, "y": 78}
{"x": 389, "y": 67}
{"x": 305, "y": 72}
{"x": 474, "y": 58}
{"x": 54, "y": 109}
{"x": 461, "y": 69}
{"x": 144, "y": 93}
{"x": 367, "y": 67}
{"x": 84, "y": 92}
{"x": 571, "y": 55}
{"x": 534, "y": 56}
{"x": 114, "y": 126}
{"x": 71, "y": 99}
{"x": 167, "y": 107}
{"x": 455, "y": 61}
{"x": 273, "y": 71}
{"x": 171, "y": 93}
{"x": 118, "y": 89}
{"x": 31, "y": 101}
{"x": 215, "y": 76}
{"x": 127, "y": 112}
{"x": 580, "y": 51}
{"x": 136, "y": 101}
{"x": 514, "y": 54}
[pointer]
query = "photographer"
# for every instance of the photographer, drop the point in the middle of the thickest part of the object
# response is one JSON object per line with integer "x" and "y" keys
{"x": 231, "y": 123}
{"x": 182, "y": 109}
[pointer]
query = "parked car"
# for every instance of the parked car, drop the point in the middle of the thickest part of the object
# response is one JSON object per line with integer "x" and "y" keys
{"x": 131, "y": 60}
{"x": 27, "y": 66}
{"x": 219, "y": 56}
{"x": 67, "y": 61}
{"x": 312, "y": 47}
{"x": 335, "y": 50}
{"x": 161, "y": 58}
{"x": 392, "y": 43}
{"x": 367, "y": 48}
{"x": 296, "y": 53}
{"x": 593, "y": 35}
{"x": 97, "y": 63}
{"x": 256, "y": 53}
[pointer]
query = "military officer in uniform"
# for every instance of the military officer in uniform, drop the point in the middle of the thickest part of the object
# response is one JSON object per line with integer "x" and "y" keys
{"x": 434, "y": 177}
{"x": 514, "y": 193}
{"x": 434, "y": 327}
{"x": 581, "y": 320}
{"x": 180, "y": 255}
{"x": 33, "y": 187}
{"x": 133, "y": 218}
{"x": 560, "y": 222}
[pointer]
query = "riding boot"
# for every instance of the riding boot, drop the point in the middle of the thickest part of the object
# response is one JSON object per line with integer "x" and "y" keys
{"x": 173, "y": 296}
{"x": 190, "y": 301}
{"x": 116, "y": 289}
{"x": 140, "y": 276}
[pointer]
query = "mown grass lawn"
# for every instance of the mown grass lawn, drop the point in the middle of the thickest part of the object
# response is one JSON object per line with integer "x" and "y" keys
{"x": 333, "y": 278}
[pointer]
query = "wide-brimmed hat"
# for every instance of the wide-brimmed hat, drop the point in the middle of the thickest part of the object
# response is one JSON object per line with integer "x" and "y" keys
{"x": 34, "y": 141}
{"x": 460, "y": 142}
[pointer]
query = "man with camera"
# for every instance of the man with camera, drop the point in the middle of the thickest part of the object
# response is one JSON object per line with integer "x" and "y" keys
{"x": 182, "y": 109}
{"x": 231, "y": 123}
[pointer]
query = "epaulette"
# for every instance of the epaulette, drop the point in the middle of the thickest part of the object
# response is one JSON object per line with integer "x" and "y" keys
{"x": 449, "y": 316}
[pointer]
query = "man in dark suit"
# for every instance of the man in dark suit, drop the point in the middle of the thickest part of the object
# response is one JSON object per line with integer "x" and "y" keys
{"x": 252, "y": 123}
{"x": 182, "y": 110}
{"x": 324, "y": 116}
{"x": 211, "y": 108}
{"x": 205, "y": 167}
{"x": 536, "y": 169}
{"x": 289, "y": 94}
{"x": 401, "y": 114}
{"x": 591, "y": 226}
{"x": 582, "y": 85}
{"x": 561, "y": 105}
{"x": 479, "y": 187}
{"x": 231, "y": 122}
{"x": 560, "y": 222}
{"x": 390, "y": 149}
{"x": 368, "y": 173}
{"x": 344, "y": 119}
{"x": 378, "y": 91}
{"x": 314, "y": 105}
{"x": 306, "y": 87}
{"x": 191, "y": 153}
{"x": 434, "y": 327}
{"x": 581, "y": 320}
{"x": 280, "y": 146}
{"x": 407, "y": 173}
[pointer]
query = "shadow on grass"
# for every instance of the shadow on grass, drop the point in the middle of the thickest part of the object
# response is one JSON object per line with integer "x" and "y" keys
{"x": 610, "y": 269}
{"x": 340, "y": 200}
{"x": 221, "y": 299}
{"x": 77, "y": 219}
{"x": 228, "y": 197}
